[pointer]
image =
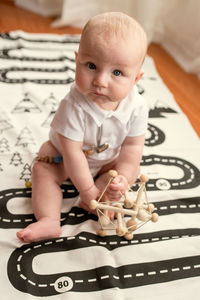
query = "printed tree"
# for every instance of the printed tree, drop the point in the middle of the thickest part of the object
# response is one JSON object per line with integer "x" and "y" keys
{"x": 51, "y": 101}
{"x": 4, "y": 145}
{"x": 16, "y": 159}
{"x": 48, "y": 120}
{"x": 26, "y": 173}
{"x": 25, "y": 138}
{"x": 4, "y": 125}
{"x": 26, "y": 105}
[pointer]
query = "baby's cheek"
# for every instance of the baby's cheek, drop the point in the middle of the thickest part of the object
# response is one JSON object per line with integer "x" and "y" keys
{"x": 80, "y": 77}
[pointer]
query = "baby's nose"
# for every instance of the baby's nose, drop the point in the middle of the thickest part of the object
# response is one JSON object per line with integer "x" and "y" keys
{"x": 100, "y": 80}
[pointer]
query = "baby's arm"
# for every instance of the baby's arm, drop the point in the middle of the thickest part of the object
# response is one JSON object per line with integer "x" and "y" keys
{"x": 76, "y": 168}
{"x": 127, "y": 166}
{"x": 130, "y": 157}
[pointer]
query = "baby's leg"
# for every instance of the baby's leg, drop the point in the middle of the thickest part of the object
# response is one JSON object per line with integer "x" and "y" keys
{"x": 46, "y": 198}
{"x": 115, "y": 189}
{"x": 119, "y": 184}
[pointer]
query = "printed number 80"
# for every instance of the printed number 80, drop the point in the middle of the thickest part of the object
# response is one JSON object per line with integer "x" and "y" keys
{"x": 63, "y": 284}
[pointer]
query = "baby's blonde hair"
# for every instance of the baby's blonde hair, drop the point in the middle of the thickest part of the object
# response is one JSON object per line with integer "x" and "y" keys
{"x": 119, "y": 25}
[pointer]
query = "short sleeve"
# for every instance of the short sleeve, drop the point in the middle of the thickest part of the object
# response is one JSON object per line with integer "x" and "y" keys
{"x": 69, "y": 121}
{"x": 139, "y": 119}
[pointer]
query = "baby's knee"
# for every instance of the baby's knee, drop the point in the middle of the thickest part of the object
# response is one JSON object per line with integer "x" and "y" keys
{"x": 38, "y": 169}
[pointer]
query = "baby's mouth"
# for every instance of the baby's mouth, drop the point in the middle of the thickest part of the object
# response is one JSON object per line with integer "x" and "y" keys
{"x": 98, "y": 94}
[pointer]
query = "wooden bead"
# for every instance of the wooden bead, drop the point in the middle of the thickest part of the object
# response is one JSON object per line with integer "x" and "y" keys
{"x": 128, "y": 202}
{"x": 131, "y": 224}
{"x": 112, "y": 173}
{"x": 144, "y": 178}
{"x": 121, "y": 231}
{"x": 57, "y": 159}
{"x": 93, "y": 204}
{"x": 39, "y": 158}
{"x": 51, "y": 159}
{"x": 28, "y": 184}
{"x": 150, "y": 207}
{"x": 154, "y": 217}
{"x": 128, "y": 236}
{"x": 88, "y": 152}
{"x": 102, "y": 232}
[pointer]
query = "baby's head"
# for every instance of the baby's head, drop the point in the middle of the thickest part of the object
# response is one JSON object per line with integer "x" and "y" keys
{"x": 116, "y": 25}
{"x": 111, "y": 52}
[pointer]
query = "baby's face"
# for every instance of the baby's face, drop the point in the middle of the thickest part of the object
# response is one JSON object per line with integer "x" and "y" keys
{"x": 106, "y": 71}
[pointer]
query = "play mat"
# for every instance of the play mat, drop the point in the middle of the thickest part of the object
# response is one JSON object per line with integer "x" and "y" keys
{"x": 162, "y": 261}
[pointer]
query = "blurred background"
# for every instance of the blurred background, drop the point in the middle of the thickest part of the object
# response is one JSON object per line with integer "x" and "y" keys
{"x": 173, "y": 23}
{"x": 172, "y": 27}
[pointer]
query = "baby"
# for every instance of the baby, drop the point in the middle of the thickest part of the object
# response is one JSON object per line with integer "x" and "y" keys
{"x": 103, "y": 115}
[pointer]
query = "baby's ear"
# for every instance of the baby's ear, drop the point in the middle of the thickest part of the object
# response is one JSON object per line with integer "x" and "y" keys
{"x": 139, "y": 75}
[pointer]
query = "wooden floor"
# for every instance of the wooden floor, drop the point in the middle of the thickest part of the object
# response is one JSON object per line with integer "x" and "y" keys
{"x": 185, "y": 87}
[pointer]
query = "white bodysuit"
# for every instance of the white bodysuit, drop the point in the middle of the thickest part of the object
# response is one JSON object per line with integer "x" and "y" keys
{"x": 80, "y": 119}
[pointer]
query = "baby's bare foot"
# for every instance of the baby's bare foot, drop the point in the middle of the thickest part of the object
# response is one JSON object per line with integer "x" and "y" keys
{"x": 117, "y": 188}
{"x": 42, "y": 229}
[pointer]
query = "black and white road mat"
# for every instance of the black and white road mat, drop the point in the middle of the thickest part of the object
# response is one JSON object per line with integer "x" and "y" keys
{"x": 163, "y": 259}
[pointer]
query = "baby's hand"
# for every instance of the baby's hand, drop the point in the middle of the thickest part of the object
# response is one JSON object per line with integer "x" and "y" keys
{"x": 117, "y": 187}
{"x": 88, "y": 195}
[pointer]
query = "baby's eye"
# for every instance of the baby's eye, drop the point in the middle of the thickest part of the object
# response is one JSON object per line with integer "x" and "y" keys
{"x": 91, "y": 66}
{"x": 117, "y": 73}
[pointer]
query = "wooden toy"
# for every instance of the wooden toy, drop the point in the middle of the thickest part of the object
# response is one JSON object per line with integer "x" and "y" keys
{"x": 139, "y": 210}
